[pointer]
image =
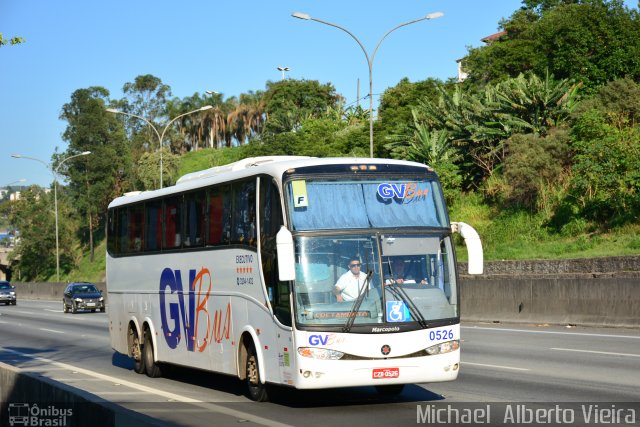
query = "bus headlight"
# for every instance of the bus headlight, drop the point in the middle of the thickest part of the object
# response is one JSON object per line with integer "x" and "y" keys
{"x": 443, "y": 347}
{"x": 320, "y": 353}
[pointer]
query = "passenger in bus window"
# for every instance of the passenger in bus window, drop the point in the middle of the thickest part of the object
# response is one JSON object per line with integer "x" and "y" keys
{"x": 404, "y": 270}
{"x": 350, "y": 283}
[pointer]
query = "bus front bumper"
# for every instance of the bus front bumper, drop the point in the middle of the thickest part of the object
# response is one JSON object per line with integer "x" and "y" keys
{"x": 316, "y": 374}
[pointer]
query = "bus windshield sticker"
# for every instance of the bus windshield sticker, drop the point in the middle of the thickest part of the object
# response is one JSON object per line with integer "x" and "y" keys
{"x": 339, "y": 314}
{"x": 397, "y": 311}
{"x": 300, "y": 198}
{"x": 405, "y": 192}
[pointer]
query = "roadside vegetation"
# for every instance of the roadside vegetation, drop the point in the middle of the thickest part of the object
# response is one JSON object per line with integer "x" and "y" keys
{"x": 539, "y": 148}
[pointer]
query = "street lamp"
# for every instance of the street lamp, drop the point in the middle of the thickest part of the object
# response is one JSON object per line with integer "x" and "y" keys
{"x": 307, "y": 17}
{"x": 55, "y": 195}
{"x": 15, "y": 182}
{"x": 283, "y": 69}
{"x": 158, "y": 134}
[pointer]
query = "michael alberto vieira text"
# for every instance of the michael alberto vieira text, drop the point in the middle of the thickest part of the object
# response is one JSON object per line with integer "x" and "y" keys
{"x": 518, "y": 414}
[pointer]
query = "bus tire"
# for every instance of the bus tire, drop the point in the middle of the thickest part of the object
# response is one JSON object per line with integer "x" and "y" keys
{"x": 152, "y": 369}
{"x": 256, "y": 390}
{"x": 390, "y": 390}
{"x": 136, "y": 351}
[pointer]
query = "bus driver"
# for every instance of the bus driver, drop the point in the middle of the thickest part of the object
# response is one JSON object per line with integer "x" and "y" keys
{"x": 350, "y": 283}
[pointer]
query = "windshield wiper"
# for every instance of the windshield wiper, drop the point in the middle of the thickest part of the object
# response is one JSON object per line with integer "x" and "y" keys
{"x": 398, "y": 292}
{"x": 356, "y": 305}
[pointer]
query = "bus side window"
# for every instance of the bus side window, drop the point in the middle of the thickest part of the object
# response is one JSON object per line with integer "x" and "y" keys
{"x": 122, "y": 238}
{"x": 194, "y": 219}
{"x": 112, "y": 246}
{"x": 136, "y": 227}
{"x": 153, "y": 226}
{"x": 244, "y": 213}
{"x": 172, "y": 223}
{"x": 218, "y": 212}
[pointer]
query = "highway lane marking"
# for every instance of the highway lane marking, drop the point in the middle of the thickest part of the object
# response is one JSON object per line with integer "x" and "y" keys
{"x": 51, "y": 330}
{"x": 550, "y": 332}
{"x": 167, "y": 395}
{"x": 495, "y": 366}
{"x": 116, "y": 393}
{"x": 608, "y": 353}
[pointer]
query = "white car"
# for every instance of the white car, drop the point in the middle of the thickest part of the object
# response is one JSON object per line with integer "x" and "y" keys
{"x": 7, "y": 293}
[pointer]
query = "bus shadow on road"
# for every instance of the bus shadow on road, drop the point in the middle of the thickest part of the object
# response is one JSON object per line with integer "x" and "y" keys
{"x": 287, "y": 396}
{"x": 192, "y": 376}
{"x": 348, "y": 396}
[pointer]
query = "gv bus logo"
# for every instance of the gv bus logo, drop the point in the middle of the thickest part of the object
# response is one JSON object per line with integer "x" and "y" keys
{"x": 401, "y": 191}
{"x": 189, "y": 317}
{"x": 388, "y": 191}
{"x": 318, "y": 339}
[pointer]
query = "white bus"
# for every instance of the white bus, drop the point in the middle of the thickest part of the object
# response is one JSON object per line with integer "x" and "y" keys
{"x": 234, "y": 270}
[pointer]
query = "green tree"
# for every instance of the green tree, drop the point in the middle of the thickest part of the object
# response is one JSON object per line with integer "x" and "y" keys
{"x": 479, "y": 123}
{"x": 534, "y": 163}
{"x": 148, "y": 172}
{"x": 145, "y": 97}
{"x": 288, "y": 102}
{"x": 35, "y": 248}
{"x": 606, "y": 171}
{"x": 12, "y": 41}
{"x": 96, "y": 179}
{"x": 589, "y": 41}
{"x": 397, "y": 103}
{"x": 618, "y": 101}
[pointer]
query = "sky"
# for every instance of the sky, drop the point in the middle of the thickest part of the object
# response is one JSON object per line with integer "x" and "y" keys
{"x": 225, "y": 46}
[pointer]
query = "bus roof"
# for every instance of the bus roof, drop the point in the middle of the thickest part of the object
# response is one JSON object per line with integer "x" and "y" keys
{"x": 270, "y": 165}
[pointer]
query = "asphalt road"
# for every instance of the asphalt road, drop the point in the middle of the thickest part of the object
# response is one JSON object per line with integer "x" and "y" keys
{"x": 538, "y": 366}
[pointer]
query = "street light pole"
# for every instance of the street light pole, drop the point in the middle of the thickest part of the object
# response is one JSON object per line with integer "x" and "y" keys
{"x": 55, "y": 195}
{"x": 283, "y": 69}
{"x": 307, "y": 17}
{"x": 158, "y": 134}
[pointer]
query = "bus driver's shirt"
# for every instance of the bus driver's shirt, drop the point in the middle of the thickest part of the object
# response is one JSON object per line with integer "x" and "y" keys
{"x": 349, "y": 285}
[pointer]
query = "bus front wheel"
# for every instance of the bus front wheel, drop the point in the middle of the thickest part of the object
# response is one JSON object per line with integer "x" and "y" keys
{"x": 257, "y": 390}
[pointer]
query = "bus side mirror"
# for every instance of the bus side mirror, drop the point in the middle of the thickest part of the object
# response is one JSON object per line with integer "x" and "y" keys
{"x": 286, "y": 257}
{"x": 474, "y": 246}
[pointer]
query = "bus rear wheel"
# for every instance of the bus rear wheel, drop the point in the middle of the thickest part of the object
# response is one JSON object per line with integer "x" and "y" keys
{"x": 256, "y": 390}
{"x": 151, "y": 367}
{"x": 136, "y": 351}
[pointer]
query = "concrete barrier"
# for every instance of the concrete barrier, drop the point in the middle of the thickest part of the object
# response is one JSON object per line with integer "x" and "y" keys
{"x": 48, "y": 290}
{"x": 604, "y": 301}
{"x": 47, "y": 402}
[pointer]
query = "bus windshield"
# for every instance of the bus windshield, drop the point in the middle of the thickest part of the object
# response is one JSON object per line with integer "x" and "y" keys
{"x": 325, "y": 204}
{"x": 374, "y": 280}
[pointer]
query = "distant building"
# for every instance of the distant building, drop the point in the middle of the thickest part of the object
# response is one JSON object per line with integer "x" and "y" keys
{"x": 462, "y": 75}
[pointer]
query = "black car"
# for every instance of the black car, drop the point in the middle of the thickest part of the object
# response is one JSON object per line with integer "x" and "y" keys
{"x": 7, "y": 293}
{"x": 82, "y": 296}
